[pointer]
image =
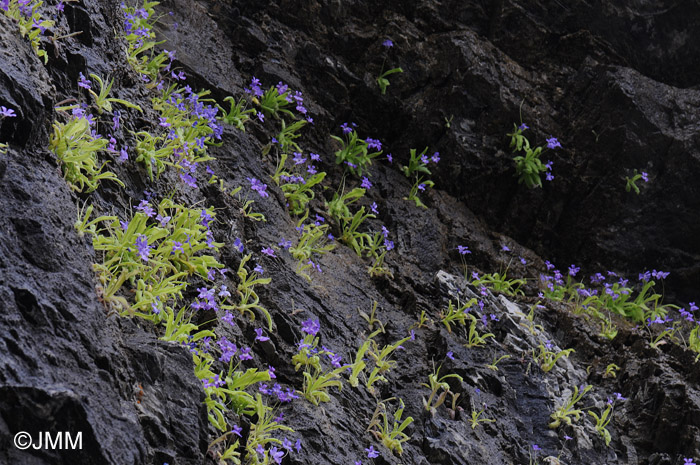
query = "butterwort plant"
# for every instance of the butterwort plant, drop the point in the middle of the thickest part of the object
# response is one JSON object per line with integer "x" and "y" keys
{"x": 417, "y": 168}
{"x": 5, "y": 113}
{"x": 30, "y": 21}
{"x": 528, "y": 166}
{"x": 389, "y": 428}
{"x": 356, "y": 153}
{"x": 76, "y": 145}
{"x": 382, "y": 80}
{"x": 317, "y": 379}
{"x": 632, "y": 181}
{"x": 313, "y": 241}
{"x": 276, "y": 99}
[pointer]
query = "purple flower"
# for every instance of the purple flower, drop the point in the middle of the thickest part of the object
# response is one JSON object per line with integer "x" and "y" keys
{"x": 145, "y": 208}
{"x": 163, "y": 220}
{"x": 573, "y": 269}
{"x": 390, "y": 157}
{"x": 388, "y": 43}
{"x": 177, "y": 247}
{"x": 346, "y": 128}
{"x": 523, "y": 127}
{"x": 687, "y": 461}
{"x": 123, "y": 154}
{"x": 179, "y": 76}
{"x": 60, "y": 6}
{"x": 618, "y": 396}
{"x": 645, "y": 176}
{"x": 371, "y": 453}
{"x": 258, "y": 269}
{"x": 297, "y": 445}
{"x": 7, "y": 112}
{"x": 373, "y": 144}
{"x": 536, "y": 447}
{"x": 523, "y": 261}
{"x": 268, "y": 251}
{"x": 436, "y": 157}
{"x": 365, "y": 183}
{"x": 549, "y": 176}
{"x": 421, "y": 186}
{"x": 335, "y": 359}
{"x": 237, "y": 430}
{"x": 285, "y": 244}
{"x": 143, "y": 248}
{"x": 298, "y": 158}
{"x": 373, "y": 208}
{"x": 258, "y": 187}
{"x": 238, "y": 244}
{"x": 84, "y": 83}
{"x": 276, "y": 455}
{"x": 311, "y": 327}
{"x": 424, "y": 159}
{"x": 450, "y": 355}
{"x": 567, "y": 438}
{"x": 213, "y": 382}
{"x": 660, "y": 274}
{"x": 228, "y": 349}
{"x": 463, "y": 250}
{"x": 505, "y": 248}
{"x": 224, "y": 291}
{"x": 245, "y": 354}
{"x": 553, "y": 143}
{"x": 259, "y": 335}
{"x": 115, "y": 120}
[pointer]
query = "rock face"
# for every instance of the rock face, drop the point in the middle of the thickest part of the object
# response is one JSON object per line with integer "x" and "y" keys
{"x": 618, "y": 87}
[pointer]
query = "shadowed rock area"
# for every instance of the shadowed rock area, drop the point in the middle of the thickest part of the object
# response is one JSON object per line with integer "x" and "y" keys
{"x": 617, "y": 85}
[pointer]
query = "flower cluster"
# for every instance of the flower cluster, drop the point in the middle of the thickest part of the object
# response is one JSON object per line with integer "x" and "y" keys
{"x": 276, "y": 99}
{"x": 528, "y": 166}
{"x": 258, "y": 187}
{"x": 356, "y": 153}
{"x": 282, "y": 395}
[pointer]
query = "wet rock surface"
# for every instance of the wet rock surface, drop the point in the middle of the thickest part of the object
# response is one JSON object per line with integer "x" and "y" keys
{"x": 617, "y": 85}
